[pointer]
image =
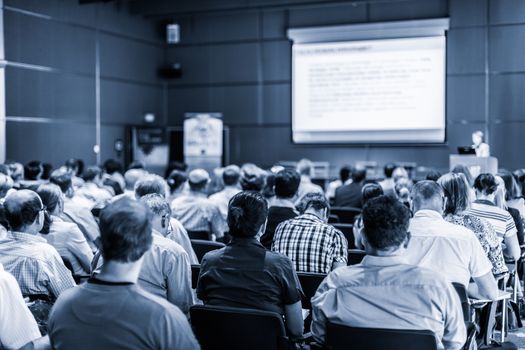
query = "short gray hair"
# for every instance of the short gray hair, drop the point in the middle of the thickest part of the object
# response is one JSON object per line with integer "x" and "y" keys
{"x": 156, "y": 203}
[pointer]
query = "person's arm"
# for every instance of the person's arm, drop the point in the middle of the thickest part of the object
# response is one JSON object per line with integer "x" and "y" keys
{"x": 454, "y": 332}
{"x": 178, "y": 281}
{"x": 218, "y": 224}
{"x": 339, "y": 249}
{"x": 512, "y": 247}
{"x": 485, "y": 287}
{"x": 80, "y": 248}
{"x": 480, "y": 269}
{"x": 58, "y": 276}
{"x": 294, "y": 319}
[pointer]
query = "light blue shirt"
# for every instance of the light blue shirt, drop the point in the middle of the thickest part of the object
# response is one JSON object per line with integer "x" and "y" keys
{"x": 385, "y": 292}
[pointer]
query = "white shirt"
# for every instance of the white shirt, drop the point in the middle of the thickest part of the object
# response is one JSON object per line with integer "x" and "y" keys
{"x": 306, "y": 186}
{"x": 334, "y": 185}
{"x": 17, "y": 325}
{"x": 222, "y": 199}
{"x": 446, "y": 248}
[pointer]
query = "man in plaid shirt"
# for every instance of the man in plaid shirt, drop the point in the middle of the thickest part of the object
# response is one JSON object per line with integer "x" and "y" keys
{"x": 311, "y": 244}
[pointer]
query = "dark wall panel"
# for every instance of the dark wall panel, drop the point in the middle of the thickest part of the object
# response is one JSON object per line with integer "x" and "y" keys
{"x": 465, "y": 98}
{"x": 466, "y": 50}
{"x": 507, "y": 11}
{"x": 507, "y": 48}
{"x": 507, "y": 94}
{"x": 468, "y": 13}
{"x": 328, "y": 15}
{"x": 408, "y": 9}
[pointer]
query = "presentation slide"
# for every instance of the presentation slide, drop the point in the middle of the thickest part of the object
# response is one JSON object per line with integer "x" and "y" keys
{"x": 373, "y": 91}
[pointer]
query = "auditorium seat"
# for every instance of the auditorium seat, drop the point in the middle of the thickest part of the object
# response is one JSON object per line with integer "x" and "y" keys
{"x": 338, "y": 337}
{"x": 333, "y": 219}
{"x": 355, "y": 256}
{"x": 195, "y": 270}
{"x": 348, "y": 231}
{"x": 220, "y": 327}
{"x": 309, "y": 283}
{"x": 201, "y": 247}
{"x": 346, "y": 215}
{"x": 203, "y": 235}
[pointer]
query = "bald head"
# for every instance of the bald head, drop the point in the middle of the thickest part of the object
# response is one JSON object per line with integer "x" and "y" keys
{"x": 22, "y": 211}
{"x": 427, "y": 195}
{"x": 132, "y": 176}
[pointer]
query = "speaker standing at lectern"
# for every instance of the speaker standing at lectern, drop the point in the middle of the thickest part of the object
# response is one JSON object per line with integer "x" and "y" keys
{"x": 482, "y": 149}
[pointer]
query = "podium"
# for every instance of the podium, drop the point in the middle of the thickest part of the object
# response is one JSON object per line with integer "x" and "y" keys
{"x": 476, "y": 165}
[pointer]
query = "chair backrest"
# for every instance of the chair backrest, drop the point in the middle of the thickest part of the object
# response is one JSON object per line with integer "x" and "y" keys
{"x": 195, "y": 271}
{"x": 204, "y": 235}
{"x": 340, "y": 337}
{"x": 346, "y": 214}
{"x": 309, "y": 283}
{"x": 333, "y": 219}
{"x": 201, "y": 247}
{"x": 348, "y": 231}
{"x": 463, "y": 298}
{"x": 355, "y": 256}
{"x": 220, "y": 327}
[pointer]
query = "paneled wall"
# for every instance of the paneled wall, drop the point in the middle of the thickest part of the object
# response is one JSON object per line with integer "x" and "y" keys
{"x": 68, "y": 64}
{"x": 237, "y": 60}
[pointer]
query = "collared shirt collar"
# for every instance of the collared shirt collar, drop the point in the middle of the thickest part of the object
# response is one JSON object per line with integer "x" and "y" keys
{"x": 427, "y": 213}
{"x": 393, "y": 260}
{"x": 22, "y": 236}
{"x": 484, "y": 201}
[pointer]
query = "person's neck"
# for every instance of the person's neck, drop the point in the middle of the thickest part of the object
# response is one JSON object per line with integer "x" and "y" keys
{"x": 198, "y": 193}
{"x": 430, "y": 208}
{"x": 315, "y": 213}
{"x": 115, "y": 271}
{"x": 483, "y": 197}
{"x": 283, "y": 202}
{"x": 398, "y": 251}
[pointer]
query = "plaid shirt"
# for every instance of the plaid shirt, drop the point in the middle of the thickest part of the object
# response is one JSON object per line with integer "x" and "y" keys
{"x": 35, "y": 264}
{"x": 312, "y": 245}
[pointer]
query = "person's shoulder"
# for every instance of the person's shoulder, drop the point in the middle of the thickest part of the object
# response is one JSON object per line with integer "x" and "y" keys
{"x": 213, "y": 255}
{"x": 277, "y": 259}
{"x": 166, "y": 244}
{"x": 155, "y": 304}
{"x": 426, "y": 277}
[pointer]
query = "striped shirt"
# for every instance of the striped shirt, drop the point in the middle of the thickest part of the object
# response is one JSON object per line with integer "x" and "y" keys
{"x": 312, "y": 245}
{"x": 35, "y": 264}
{"x": 499, "y": 218}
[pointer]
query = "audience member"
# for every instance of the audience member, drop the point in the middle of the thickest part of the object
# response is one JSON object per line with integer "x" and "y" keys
{"x": 385, "y": 290}
{"x": 457, "y": 203}
{"x": 400, "y": 173}
{"x": 47, "y": 168}
{"x": 369, "y": 191}
{"x": 113, "y": 171}
{"x": 513, "y": 196}
{"x": 76, "y": 209}
{"x": 151, "y": 183}
{"x": 183, "y": 167}
{"x": 282, "y": 207}
{"x": 6, "y": 186}
{"x": 388, "y": 183}
{"x": 484, "y": 207}
{"x": 66, "y": 237}
{"x": 311, "y": 244}
{"x": 402, "y": 190}
{"x": 17, "y": 173}
{"x": 268, "y": 190}
{"x": 131, "y": 177}
{"x": 350, "y": 195}
{"x": 176, "y": 181}
{"x": 305, "y": 168}
{"x": 137, "y": 164}
{"x": 93, "y": 190}
{"x": 244, "y": 274}
{"x": 344, "y": 179}
{"x": 463, "y": 169}
{"x": 32, "y": 175}
{"x": 433, "y": 175}
{"x": 76, "y": 166}
{"x": 252, "y": 177}
{"x": 35, "y": 264}
{"x": 111, "y": 311}
{"x": 230, "y": 177}
{"x": 501, "y": 202}
{"x": 444, "y": 247}
{"x": 195, "y": 211}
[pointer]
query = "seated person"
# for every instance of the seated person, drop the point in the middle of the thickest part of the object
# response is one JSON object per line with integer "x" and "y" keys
{"x": 177, "y": 183}
{"x": 230, "y": 177}
{"x": 384, "y": 291}
{"x": 444, "y": 247}
{"x": 66, "y": 237}
{"x": 282, "y": 207}
{"x": 350, "y": 195}
{"x": 93, "y": 189}
{"x": 34, "y": 263}
{"x": 305, "y": 168}
{"x": 195, "y": 211}
{"x": 132, "y": 176}
{"x": 369, "y": 191}
{"x": 311, "y": 243}
{"x": 111, "y": 311}
{"x": 244, "y": 274}
{"x": 344, "y": 179}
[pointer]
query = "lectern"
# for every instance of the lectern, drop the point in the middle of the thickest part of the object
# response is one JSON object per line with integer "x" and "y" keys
{"x": 476, "y": 165}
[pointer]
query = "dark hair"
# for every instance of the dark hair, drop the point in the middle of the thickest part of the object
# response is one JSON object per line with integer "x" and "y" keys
{"x": 370, "y": 191}
{"x": 150, "y": 184}
{"x": 46, "y": 171}
{"x": 175, "y": 166}
{"x": 22, "y": 208}
{"x": 389, "y": 169}
{"x": 247, "y": 212}
{"x": 230, "y": 176}
{"x": 314, "y": 200}
{"x": 112, "y": 166}
{"x": 424, "y": 191}
{"x": 359, "y": 174}
{"x": 77, "y": 165}
{"x": 268, "y": 190}
{"x": 433, "y": 175}
{"x": 385, "y": 222}
{"x": 137, "y": 164}
{"x": 176, "y": 179}
{"x": 486, "y": 183}
{"x": 91, "y": 173}
{"x": 344, "y": 173}
{"x": 125, "y": 230}
{"x": 456, "y": 190}
{"x": 32, "y": 170}
{"x": 252, "y": 178}
{"x": 51, "y": 196}
{"x": 463, "y": 169}
{"x": 287, "y": 183}
{"x": 512, "y": 188}
{"x": 62, "y": 178}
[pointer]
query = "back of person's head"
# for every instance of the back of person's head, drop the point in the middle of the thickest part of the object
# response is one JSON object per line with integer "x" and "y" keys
{"x": 399, "y": 173}
{"x": 359, "y": 174}
{"x": 22, "y": 209}
{"x": 231, "y": 175}
{"x": 198, "y": 180}
{"x": 385, "y": 222}
{"x": 16, "y": 170}
{"x": 33, "y": 170}
{"x": 456, "y": 190}
{"x": 315, "y": 201}
{"x": 75, "y": 165}
{"x": 137, "y": 164}
{"x": 252, "y": 177}
{"x": 4, "y": 169}
{"x": 112, "y": 166}
{"x": 47, "y": 168}
{"x": 125, "y": 230}
{"x": 92, "y": 173}
{"x": 513, "y": 190}
{"x": 344, "y": 173}
{"x": 305, "y": 167}
{"x": 176, "y": 179}
{"x": 158, "y": 205}
{"x": 463, "y": 169}
{"x": 6, "y": 183}
{"x": 132, "y": 176}
{"x": 175, "y": 166}
{"x": 485, "y": 184}
{"x": 247, "y": 212}
{"x": 268, "y": 190}
{"x": 370, "y": 191}
{"x": 62, "y": 178}
{"x": 51, "y": 196}
{"x": 433, "y": 175}
{"x": 388, "y": 169}
{"x": 151, "y": 183}
{"x": 427, "y": 195}
{"x": 287, "y": 183}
